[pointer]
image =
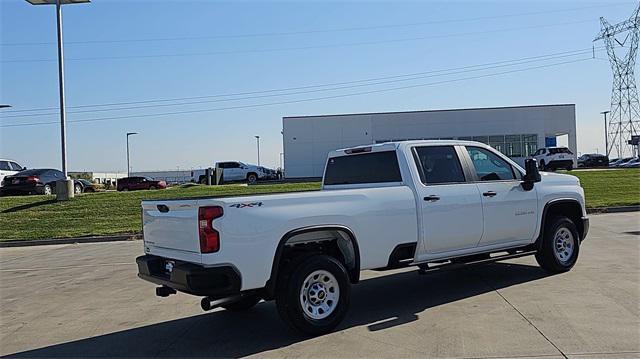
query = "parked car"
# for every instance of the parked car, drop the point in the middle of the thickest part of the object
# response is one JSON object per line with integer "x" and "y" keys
{"x": 430, "y": 204}
{"x": 620, "y": 162}
{"x": 634, "y": 163}
{"x": 553, "y": 158}
{"x": 8, "y": 168}
{"x": 137, "y": 183}
{"x": 239, "y": 171}
{"x": 32, "y": 181}
{"x": 593, "y": 160}
{"x": 84, "y": 186}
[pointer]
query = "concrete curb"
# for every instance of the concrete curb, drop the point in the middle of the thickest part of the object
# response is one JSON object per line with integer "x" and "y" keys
{"x": 92, "y": 239}
{"x": 132, "y": 237}
{"x": 620, "y": 209}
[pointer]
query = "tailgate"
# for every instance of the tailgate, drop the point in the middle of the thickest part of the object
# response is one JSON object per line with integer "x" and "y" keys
{"x": 171, "y": 225}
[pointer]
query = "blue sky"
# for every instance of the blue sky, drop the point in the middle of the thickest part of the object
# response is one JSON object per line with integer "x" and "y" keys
{"x": 202, "y": 48}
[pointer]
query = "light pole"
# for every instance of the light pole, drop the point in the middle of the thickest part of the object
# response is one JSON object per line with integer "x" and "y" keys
{"x": 258, "y": 143}
{"x": 606, "y": 135}
{"x": 128, "y": 166}
{"x": 64, "y": 187}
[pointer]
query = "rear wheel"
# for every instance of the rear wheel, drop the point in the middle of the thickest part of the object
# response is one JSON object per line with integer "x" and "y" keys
{"x": 243, "y": 304}
{"x": 543, "y": 167}
{"x": 560, "y": 245}
{"x": 313, "y": 294}
{"x": 252, "y": 178}
{"x": 569, "y": 167}
{"x": 152, "y": 187}
{"x": 125, "y": 189}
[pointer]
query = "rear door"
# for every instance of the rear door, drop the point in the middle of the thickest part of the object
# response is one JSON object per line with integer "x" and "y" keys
{"x": 5, "y": 169}
{"x": 450, "y": 207}
{"x": 509, "y": 210}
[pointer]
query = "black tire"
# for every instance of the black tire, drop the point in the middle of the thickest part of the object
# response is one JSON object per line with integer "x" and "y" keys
{"x": 547, "y": 257}
{"x": 543, "y": 167}
{"x": 47, "y": 189}
{"x": 243, "y": 304}
{"x": 77, "y": 189}
{"x": 252, "y": 178}
{"x": 152, "y": 187}
{"x": 289, "y": 291}
{"x": 569, "y": 167}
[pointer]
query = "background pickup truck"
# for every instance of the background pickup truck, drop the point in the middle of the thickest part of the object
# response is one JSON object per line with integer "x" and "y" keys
{"x": 430, "y": 204}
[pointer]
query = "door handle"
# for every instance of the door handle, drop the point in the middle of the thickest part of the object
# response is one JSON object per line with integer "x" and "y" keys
{"x": 489, "y": 194}
{"x": 432, "y": 198}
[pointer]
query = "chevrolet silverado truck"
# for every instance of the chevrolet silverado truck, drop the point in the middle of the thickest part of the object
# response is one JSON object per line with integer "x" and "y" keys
{"x": 429, "y": 204}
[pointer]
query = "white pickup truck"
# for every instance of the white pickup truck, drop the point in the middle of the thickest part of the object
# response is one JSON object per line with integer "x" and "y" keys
{"x": 430, "y": 204}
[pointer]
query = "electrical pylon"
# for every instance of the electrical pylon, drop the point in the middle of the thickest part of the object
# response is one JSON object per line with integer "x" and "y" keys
{"x": 625, "y": 108}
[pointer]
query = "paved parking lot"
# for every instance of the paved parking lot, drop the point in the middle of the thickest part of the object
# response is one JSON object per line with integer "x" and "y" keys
{"x": 86, "y": 301}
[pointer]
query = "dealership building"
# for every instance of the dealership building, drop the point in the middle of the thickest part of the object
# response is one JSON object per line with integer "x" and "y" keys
{"x": 515, "y": 131}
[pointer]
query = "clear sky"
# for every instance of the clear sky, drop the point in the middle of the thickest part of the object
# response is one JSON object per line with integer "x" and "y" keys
{"x": 137, "y": 51}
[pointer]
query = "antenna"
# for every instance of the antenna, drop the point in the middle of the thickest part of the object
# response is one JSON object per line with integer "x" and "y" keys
{"x": 624, "y": 119}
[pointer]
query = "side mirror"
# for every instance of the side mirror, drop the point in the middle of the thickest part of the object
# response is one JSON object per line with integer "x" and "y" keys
{"x": 532, "y": 174}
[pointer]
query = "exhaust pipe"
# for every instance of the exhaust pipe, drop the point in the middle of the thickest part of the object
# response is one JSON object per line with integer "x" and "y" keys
{"x": 208, "y": 303}
{"x": 165, "y": 291}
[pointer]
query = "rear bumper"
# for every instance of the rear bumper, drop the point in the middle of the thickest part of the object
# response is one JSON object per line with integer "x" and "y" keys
{"x": 190, "y": 278}
{"x": 22, "y": 188}
{"x": 560, "y": 163}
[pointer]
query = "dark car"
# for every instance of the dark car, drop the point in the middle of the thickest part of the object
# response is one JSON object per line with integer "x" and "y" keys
{"x": 593, "y": 160}
{"x": 84, "y": 186}
{"x": 37, "y": 180}
{"x": 135, "y": 183}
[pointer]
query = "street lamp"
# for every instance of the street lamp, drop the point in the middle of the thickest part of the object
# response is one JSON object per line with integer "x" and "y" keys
{"x": 64, "y": 187}
{"x": 606, "y": 135}
{"x": 128, "y": 166}
{"x": 258, "y": 142}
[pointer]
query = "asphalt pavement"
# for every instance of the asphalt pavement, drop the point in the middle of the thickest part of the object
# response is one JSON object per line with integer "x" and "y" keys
{"x": 84, "y": 300}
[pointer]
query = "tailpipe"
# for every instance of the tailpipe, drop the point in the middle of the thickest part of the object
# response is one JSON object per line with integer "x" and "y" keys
{"x": 209, "y": 303}
{"x": 165, "y": 291}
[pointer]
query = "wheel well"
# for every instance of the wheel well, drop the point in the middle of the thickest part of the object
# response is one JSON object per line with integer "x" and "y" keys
{"x": 568, "y": 208}
{"x": 252, "y": 173}
{"x": 338, "y": 242}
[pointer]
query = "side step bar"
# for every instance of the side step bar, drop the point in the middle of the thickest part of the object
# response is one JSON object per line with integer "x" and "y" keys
{"x": 434, "y": 266}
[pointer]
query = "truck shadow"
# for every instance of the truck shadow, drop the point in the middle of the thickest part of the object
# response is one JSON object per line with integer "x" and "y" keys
{"x": 378, "y": 303}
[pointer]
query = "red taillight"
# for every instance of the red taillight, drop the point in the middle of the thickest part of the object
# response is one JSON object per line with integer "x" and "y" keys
{"x": 209, "y": 237}
{"x": 33, "y": 179}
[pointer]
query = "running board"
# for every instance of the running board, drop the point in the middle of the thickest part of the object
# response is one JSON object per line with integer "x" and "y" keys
{"x": 426, "y": 267}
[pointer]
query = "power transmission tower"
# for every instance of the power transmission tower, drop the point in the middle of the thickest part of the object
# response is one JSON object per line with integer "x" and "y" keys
{"x": 625, "y": 108}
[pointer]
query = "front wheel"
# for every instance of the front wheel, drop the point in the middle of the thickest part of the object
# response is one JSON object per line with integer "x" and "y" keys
{"x": 542, "y": 166}
{"x": 569, "y": 167}
{"x": 560, "y": 245}
{"x": 313, "y": 294}
{"x": 77, "y": 189}
{"x": 47, "y": 190}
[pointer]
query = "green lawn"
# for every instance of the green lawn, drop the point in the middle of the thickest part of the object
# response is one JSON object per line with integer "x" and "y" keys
{"x": 610, "y": 187}
{"x": 37, "y": 217}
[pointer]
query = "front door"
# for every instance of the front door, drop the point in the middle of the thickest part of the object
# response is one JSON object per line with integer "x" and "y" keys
{"x": 450, "y": 207}
{"x": 509, "y": 210}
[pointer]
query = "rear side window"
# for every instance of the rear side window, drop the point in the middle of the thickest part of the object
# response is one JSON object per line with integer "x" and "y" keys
{"x": 560, "y": 150}
{"x": 439, "y": 164}
{"x": 4, "y": 165}
{"x": 377, "y": 167}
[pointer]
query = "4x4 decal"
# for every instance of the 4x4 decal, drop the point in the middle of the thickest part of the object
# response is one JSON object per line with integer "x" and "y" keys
{"x": 246, "y": 205}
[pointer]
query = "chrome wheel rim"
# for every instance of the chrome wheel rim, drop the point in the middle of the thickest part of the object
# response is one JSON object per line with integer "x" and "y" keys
{"x": 319, "y": 294}
{"x": 563, "y": 245}
{"x": 47, "y": 190}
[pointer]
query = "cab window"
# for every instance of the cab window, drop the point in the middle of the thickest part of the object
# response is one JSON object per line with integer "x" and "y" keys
{"x": 489, "y": 166}
{"x": 438, "y": 165}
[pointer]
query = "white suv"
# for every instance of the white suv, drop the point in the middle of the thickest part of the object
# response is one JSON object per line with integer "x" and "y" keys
{"x": 8, "y": 168}
{"x": 552, "y": 158}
